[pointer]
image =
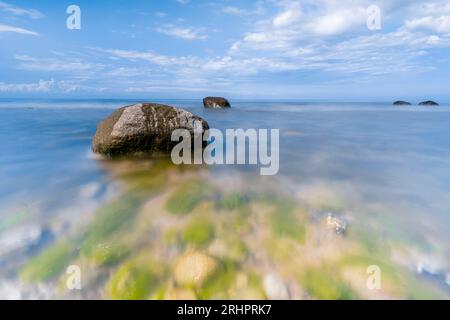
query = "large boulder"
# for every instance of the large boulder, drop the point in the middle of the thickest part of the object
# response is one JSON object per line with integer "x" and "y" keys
{"x": 428, "y": 103}
{"x": 216, "y": 102}
{"x": 401, "y": 103}
{"x": 143, "y": 127}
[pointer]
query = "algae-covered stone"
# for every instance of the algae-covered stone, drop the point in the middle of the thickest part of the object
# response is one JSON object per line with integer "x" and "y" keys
{"x": 109, "y": 220}
{"x": 232, "y": 201}
{"x": 108, "y": 253}
{"x": 199, "y": 231}
{"x": 325, "y": 284}
{"x": 132, "y": 281}
{"x": 143, "y": 127}
{"x": 193, "y": 268}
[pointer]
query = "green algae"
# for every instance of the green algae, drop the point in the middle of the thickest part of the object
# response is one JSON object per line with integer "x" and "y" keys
{"x": 199, "y": 231}
{"x": 397, "y": 278}
{"x": 171, "y": 237}
{"x": 49, "y": 264}
{"x": 109, "y": 253}
{"x": 324, "y": 284}
{"x": 284, "y": 222}
{"x": 186, "y": 197}
{"x": 145, "y": 181}
{"x": 108, "y": 220}
{"x": 232, "y": 201}
{"x": 134, "y": 280}
{"x": 237, "y": 250}
{"x": 216, "y": 287}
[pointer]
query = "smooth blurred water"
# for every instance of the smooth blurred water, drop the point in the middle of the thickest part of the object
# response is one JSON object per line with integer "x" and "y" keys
{"x": 396, "y": 159}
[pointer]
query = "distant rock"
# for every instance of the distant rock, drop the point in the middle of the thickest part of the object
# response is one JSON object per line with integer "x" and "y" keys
{"x": 143, "y": 127}
{"x": 193, "y": 268}
{"x": 401, "y": 103}
{"x": 216, "y": 102}
{"x": 428, "y": 103}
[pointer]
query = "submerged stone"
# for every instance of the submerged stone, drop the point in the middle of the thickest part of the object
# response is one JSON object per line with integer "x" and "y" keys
{"x": 199, "y": 231}
{"x": 132, "y": 281}
{"x": 339, "y": 225}
{"x": 193, "y": 268}
{"x": 275, "y": 288}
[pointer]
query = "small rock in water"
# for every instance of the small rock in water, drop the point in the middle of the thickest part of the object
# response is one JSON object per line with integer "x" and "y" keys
{"x": 339, "y": 225}
{"x": 143, "y": 127}
{"x": 193, "y": 268}
{"x": 428, "y": 103}
{"x": 275, "y": 288}
{"x": 216, "y": 102}
{"x": 401, "y": 103}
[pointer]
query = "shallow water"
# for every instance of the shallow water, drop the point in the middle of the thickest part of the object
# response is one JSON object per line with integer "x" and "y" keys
{"x": 133, "y": 225}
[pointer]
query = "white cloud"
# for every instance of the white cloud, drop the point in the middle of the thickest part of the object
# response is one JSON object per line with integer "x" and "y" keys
{"x": 185, "y": 33}
{"x": 338, "y": 22}
{"x": 287, "y": 17}
{"x": 8, "y": 8}
{"x": 183, "y": 1}
{"x": 40, "y": 86}
{"x": 12, "y": 29}
{"x": 154, "y": 58}
{"x": 160, "y": 14}
{"x": 437, "y": 24}
{"x": 323, "y": 36}
{"x": 59, "y": 64}
{"x": 232, "y": 10}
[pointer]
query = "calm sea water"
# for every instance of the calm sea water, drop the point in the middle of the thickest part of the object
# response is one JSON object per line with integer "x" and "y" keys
{"x": 358, "y": 160}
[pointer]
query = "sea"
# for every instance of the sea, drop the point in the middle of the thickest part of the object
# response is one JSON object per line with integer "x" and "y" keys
{"x": 359, "y": 185}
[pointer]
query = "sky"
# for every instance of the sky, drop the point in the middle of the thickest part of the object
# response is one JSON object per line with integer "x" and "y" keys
{"x": 266, "y": 49}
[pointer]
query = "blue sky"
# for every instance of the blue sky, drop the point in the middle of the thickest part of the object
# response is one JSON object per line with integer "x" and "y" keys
{"x": 289, "y": 49}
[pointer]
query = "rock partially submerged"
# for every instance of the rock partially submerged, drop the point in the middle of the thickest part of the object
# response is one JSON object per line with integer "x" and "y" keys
{"x": 428, "y": 103}
{"x": 216, "y": 102}
{"x": 143, "y": 127}
{"x": 401, "y": 103}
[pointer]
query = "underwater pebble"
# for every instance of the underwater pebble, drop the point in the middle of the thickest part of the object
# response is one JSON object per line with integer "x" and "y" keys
{"x": 194, "y": 268}
{"x": 275, "y": 288}
{"x": 339, "y": 225}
